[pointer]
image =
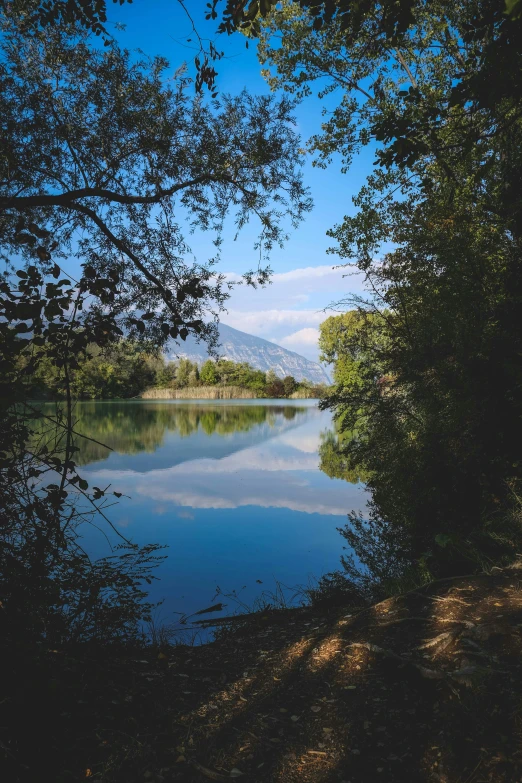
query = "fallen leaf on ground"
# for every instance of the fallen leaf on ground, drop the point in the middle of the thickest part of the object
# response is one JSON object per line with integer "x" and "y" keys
{"x": 209, "y": 773}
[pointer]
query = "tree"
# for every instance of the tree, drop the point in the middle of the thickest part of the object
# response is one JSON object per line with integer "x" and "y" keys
{"x": 335, "y": 463}
{"x": 165, "y": 376}
{"x": 119, "y": 151}
{"x": 208, "y": 374}
{"x": 225, "y": 370}
{"x": 290, "y": 385}
{"x": 274, "y": 385}
{"x": 100, "y": 155}
{"x": 183, "y": 372}
{"x": 193, "y": 379}
{"x": 425, "y": 366}
{"x": 482, "y": 39}
{"x": 121, "y": 370}
{"x": 90, "y": 14}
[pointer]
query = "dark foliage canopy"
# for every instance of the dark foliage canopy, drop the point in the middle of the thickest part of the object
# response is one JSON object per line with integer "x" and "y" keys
{"x": 105, "y": 159}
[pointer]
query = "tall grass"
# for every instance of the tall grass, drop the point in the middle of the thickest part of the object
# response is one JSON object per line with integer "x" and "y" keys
{"x": 200, "y": 393}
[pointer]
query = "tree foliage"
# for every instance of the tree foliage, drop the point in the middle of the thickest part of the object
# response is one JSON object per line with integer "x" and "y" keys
{"x": 124, "y": 368}
{"x": 104, "y": 158}
{"x": 427, "y": 367}
{"x": 35, "y": 14}
{"x": 103, "y": 171}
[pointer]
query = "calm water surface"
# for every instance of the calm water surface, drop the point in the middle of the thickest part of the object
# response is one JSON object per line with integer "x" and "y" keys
{"x": 233, "y": 488}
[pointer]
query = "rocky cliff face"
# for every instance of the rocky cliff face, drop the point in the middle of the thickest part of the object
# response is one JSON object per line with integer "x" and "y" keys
{"x": 261, "y": 354}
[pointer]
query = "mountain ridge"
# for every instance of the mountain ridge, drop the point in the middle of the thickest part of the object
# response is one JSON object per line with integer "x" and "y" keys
{"x": 238, "y": 346}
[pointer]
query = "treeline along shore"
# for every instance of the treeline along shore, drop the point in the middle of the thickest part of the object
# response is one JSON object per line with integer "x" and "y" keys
{"x": 128, "y": 369}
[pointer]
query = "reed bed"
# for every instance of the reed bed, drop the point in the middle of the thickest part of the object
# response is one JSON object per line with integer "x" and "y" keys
{"x": 200, "y": 393}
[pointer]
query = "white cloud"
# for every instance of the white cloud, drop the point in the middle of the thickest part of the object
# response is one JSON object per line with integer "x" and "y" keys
{"x": 265, "y": 322}
{"x": 308, "y": 273}
{"x": 304, "y": 338}
{"x": 277, "y": 311}
{"x": 307, "y": 442}
{"x": 322, "y": 284}
{"x": 303, "y": 273}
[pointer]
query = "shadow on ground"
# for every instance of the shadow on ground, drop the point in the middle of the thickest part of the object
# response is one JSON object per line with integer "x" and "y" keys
{"x": 424, "y": 687}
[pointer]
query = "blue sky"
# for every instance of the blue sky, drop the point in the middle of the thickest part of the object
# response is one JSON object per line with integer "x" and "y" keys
{"x": 290, "y": 309}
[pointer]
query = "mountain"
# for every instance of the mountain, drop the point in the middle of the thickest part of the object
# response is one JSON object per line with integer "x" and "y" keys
{"x": 261, "y": 354}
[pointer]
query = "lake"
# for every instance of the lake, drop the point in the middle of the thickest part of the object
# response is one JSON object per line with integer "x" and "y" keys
{"x": 233, "y": 488}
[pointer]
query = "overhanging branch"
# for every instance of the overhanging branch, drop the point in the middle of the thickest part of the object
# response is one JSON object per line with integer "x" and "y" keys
{"x": 69, "y": 198}
{"x": 123, "y": 248}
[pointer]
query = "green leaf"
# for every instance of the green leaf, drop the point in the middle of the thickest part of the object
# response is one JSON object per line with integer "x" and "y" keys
{"x": 514, "y": 8}
{"x": 442, "y": 539}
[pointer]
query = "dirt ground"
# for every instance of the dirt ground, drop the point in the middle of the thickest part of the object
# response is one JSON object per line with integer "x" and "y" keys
{"x": 422, "y": 687}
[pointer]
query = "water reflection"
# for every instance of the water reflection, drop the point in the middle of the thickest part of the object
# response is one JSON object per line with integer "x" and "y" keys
{"x": 234, "y": 490}
{"x": 333, "y": 460}
{"x": 135, "y": 427}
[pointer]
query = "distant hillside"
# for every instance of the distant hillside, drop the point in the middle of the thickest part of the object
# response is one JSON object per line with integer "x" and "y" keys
{"x": 260, "y": 354}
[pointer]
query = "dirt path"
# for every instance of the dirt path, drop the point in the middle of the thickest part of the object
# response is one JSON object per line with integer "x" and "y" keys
{"x": 423, "y": 687}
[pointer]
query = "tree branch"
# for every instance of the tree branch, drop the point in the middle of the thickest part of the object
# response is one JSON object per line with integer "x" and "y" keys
{"x": 68, "y": 199}
{"x": 122, "y": 247}
{"x": 406, "y": 67}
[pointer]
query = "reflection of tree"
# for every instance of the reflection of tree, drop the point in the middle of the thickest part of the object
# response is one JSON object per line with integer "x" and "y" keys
{"x": 335, "y": 463}
{"x": 130, "y": 428}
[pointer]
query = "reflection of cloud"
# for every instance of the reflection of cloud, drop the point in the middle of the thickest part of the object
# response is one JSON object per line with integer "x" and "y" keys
{"x": 185, "y": 515}
{"x": 307, "y": 442}
{"x": 261, "y": 458}
{"x": 282, "y": 473}
{"x": 199, "y": 501}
